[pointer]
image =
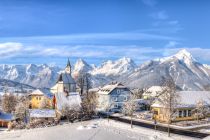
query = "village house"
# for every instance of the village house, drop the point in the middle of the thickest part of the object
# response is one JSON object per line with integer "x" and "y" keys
{"x": 112, "y": 97}
{"x": 39, "y": 96}
{"x": 152, "y": 92}
{"x": 186, "y": 103}
{"x": 5, "y": 119}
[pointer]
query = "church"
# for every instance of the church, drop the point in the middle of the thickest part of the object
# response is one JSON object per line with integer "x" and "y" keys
{"x": 65, "y": 90}
{"x": 65, "y": 82}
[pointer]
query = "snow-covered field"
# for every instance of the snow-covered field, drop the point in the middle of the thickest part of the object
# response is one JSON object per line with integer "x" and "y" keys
{"x": 90, "y": 130}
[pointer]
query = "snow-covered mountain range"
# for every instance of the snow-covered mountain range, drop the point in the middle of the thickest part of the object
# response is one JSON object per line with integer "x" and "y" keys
{"x": 31, "y": 74}
{"x": 187, "y": 73}
{"x": 182, "y": 67}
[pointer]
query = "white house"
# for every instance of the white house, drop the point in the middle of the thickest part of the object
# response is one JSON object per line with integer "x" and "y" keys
{"x": 111, "y": 97}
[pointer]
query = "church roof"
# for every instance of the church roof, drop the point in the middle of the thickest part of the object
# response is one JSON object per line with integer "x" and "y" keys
{"x": 107, "y": 89}
{"x": 44, "y": 92}
{"x": 66, "y": 78}
{"x": 68, "y": 63}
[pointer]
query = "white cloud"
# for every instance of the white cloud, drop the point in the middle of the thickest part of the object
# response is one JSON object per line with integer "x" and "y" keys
{"x": 139, "y": 53}
{"x": 10, "y": 49}
{"x": 92, "y": 37}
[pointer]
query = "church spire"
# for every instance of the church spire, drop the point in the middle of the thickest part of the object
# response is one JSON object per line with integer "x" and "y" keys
{"x": 68, "y": 67}
{"x": 68, "y": 63}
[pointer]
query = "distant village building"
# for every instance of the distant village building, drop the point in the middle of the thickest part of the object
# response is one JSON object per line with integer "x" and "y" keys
{"x": 187, "y": 101}
{"x": 5, "y": 119}
{"x": 112, "y": 97}
{"x": 39, "y": 96}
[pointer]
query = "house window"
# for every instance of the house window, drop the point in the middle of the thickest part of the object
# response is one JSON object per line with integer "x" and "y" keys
{"x": 189, "y": 113}
{"x": 114, "y": 99}
{"x": 185, "y": 113}
{"x": 37, "y": 98}
{"x": 118, "y": 91}
{"x": 115, "y": 105}
{"x": 180, "y": 114}
{"x": 155, "y": 112}
{"x": 125, "y": 98}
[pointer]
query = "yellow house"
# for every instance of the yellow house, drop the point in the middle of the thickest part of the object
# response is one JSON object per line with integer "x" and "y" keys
{"x": 41, "y": 98}
{"x": 184, "y": 108}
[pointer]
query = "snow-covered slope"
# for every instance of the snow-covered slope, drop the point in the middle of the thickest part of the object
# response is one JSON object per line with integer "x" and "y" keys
{"x": 31, "y": 74}
{"x": 14, "y": 87}
{"x": 115, "y": 68}
{"x": 182, "y": 67}
{"x": 112, "y": 70}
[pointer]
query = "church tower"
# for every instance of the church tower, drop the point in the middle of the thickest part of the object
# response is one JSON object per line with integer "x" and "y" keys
{"x": 65, "y": 82}
{"x": 68, "y": 67}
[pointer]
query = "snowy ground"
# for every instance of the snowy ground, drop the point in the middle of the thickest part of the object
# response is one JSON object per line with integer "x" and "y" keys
{"x": 90, "y": 130}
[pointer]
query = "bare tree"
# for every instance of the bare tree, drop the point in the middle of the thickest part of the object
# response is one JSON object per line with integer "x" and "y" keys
{"x": 169, "y": 100}
{"x": 80, "y": 82}
{"x": 70, "y": 112}
{"x": 9, "y": 102}
{"x": 129, "y": 107}
{"x": 88, "y": 83}
{"x": 20, "y": 111}
{"x": 89, "y": 104}
{"x": 138, "y": 93}
{"x": 84, "y": 83}
{"x": 201, "y": 110}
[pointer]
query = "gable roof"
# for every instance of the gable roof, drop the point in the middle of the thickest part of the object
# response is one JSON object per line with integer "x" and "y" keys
{"x": 6, "y": 116}
{"x": 107, "y": 89}
{"x": 66, "y": 78}
{"x": 43, "y": 92}
{"x": 189, "y": 98}
{"x": 42, "y": 113}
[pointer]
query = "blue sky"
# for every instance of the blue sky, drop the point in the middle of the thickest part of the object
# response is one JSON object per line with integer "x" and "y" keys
{"x": 50, "y": 31}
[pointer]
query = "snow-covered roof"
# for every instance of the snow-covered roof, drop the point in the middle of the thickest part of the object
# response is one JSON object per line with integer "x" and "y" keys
{"x": 72, "y": 100}
{"x": 153, "y": 91}
{"x": 6, "y": 116}
{"x": 189, "y": 98}
{"x": 110, "y": 87}
{"x": 42, "y": 113}
{"x": 66, "y": 78}
{"x": 44, "y": 92}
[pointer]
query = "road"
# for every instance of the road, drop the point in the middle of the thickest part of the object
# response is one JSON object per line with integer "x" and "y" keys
{"x": 162, "y": 128}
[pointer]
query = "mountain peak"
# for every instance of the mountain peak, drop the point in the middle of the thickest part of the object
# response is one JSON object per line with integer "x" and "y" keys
{"x": 81, "y": 66}
{"x": 81, "y": 61}
{"x": 184, "y": 54}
